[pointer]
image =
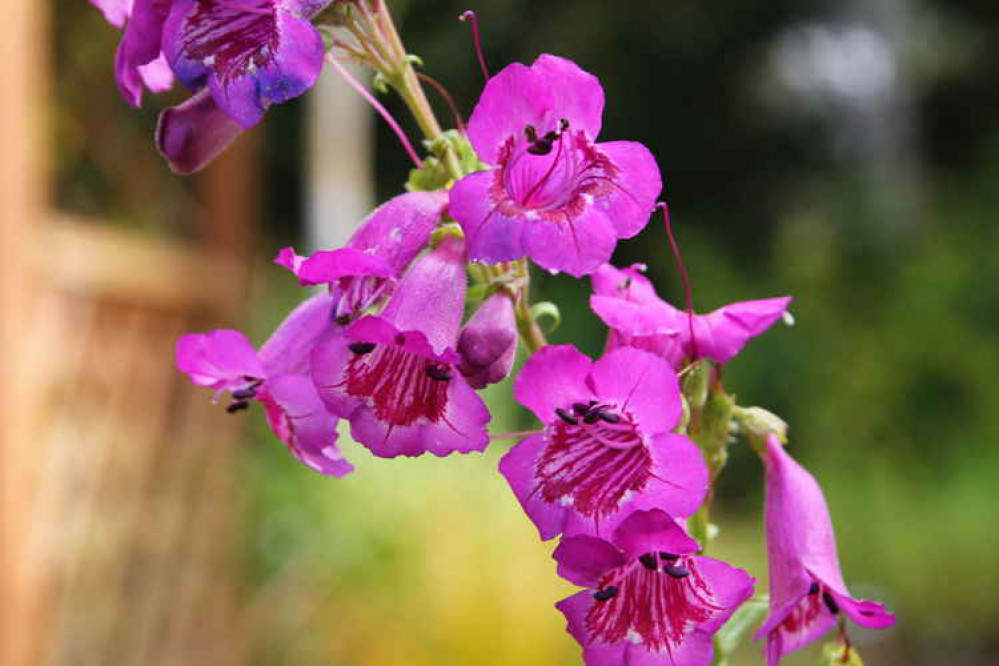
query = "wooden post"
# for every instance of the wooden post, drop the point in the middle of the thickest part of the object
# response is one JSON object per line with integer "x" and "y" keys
{"x": 23, "y": 197}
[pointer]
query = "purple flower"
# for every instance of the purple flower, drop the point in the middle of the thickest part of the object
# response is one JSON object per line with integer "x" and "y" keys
{"x": 277, "y": 377}
{"x": 248, "y": 53}
{"x": 627, "y": 303}
{"x": 365, "y": 272}
{"x": 650, "y": 601}
{"x": 607, "y": 446}
{"x": 195, "y": 132}
{"x": 488, "y": 342}
{"x": 806, "y": 586}
{"x": 554, "y": 194}
{"x": 395, "y": 375}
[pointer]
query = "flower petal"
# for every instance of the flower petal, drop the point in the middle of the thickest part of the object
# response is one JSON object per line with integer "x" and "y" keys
{"x": 193, "y": 133}
{"x": 637, "y": 186}
{"x": 732, "y": 326}
{"x": 511, "y": 100}
{"x": 140, "y": 45}
{"x": 400, "y": 228}
{"x": 583, "y": 559}
{"x": 577, "y": 94}
{"x": 652, "y": 531}
{"x": 554, "y": 377}
{"x": 639, "y": 384}
{"x": 218, "y": 359}
{"x": 289, "y": 348}
{"x": 301, "y": 420}
{"x": 518, "y": 466}
{"x": 577, "y": 246}
{"x": 681, "y": 475}
{"x": 492, "y": 237}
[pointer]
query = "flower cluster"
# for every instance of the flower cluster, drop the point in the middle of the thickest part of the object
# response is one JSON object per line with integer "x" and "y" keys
{"x": 398, "y": 344}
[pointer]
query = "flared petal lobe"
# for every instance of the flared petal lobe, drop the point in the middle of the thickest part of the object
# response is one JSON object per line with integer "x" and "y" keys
{"x": 195, "y": 132}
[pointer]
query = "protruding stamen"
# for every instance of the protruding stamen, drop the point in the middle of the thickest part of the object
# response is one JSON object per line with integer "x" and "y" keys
{"x": 668, "y": 557}
{"x": 606, "y": 594}
{"x": 608, "y": 417}
{"x": 438, "y": 373}
{"x": 244, "y": 394}
{"x": 237, "y": 406}
{"x": 377, "y": 106}
{"x": 361, "y": 348}
{"x": 814, "y": 589}
{"x": 676, "y": 570}
{"x": 649, "y": 561}
{"x": 342, "y": 320}
{"x": 580, "y": 408}
{"x": 566, "y": 416}
{"x": 830, "y": 603}
{"x": 469, "y": 15}
{"x": 446, "y": 96}
{"x": 684, "y": 277}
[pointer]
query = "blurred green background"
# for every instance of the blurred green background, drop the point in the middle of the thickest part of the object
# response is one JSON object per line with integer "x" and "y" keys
{"x": 843, "y": 152}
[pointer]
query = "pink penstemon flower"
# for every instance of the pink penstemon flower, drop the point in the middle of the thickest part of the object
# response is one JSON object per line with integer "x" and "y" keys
{"x": 554, "y": 194}
{"x": 807, "y": 591}
{"x": 277, "y": 377}
{"x": 651, "y": 600}
{"x": 608, "y": 445}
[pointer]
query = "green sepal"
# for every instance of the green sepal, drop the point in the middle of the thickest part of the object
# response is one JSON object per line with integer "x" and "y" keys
{"x": 695, "y": 384}
{"x": 434, "y": 174}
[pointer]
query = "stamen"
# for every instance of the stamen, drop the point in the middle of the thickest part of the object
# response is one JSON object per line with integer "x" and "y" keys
{"x": 683, "y": 275}
{"x": 649, "y": 561}
{"x": 566, "y": 416}
{"x": 446, "y": 96}
{"x": 676, "y": 570}
{"x": 668, "y": 557}
{"x": 343, "y": 319}
{"x": 580, "y": 408}
{"x": 237, "y": 406}
{"x": 469, "y": 15}
{"x": 605, "y": 594}
{"x": 830, "y": 603}
{"x": 244, "y": 394}
{"x": 377, "y": 106}
{"x": 608, "y": 417}
{"x": 814, "y": 589}
{"x": 438, "y": 373}
{"x": 361, "y": 348}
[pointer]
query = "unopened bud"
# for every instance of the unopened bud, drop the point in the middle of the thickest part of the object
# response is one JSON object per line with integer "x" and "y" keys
{"x": 757, "y": 423}
{"x": 488, "y": 342}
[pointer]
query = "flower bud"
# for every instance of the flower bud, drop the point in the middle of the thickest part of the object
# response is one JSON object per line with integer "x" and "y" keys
{"x": 488, "y": 342}
{"x": 758, "y": 423}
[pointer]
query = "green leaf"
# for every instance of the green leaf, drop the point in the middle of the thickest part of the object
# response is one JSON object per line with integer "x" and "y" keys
{"x": 748, "y": 617}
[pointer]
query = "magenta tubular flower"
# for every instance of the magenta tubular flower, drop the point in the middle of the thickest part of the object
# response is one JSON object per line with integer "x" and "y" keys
{"x": 488, "y": 342}
{"x": 365, "y": 271}
{"x": 627, "y": 303}
{"x": 806, "y": 586}
{"x": 651, "y": 601}
{"x": 554, "y": 195}
{"x": 395, "y": 375}
{"x": 607, "y": 446}
{"x": 277, "y": 377}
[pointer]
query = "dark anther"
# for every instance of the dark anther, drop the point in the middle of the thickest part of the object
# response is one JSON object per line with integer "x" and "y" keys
{"x": 814, "y": 589}
{"x": 580, "y": 408}
{"x": 591, "y": 416}
{"x": 563, "y": 125}
{"x": 400, "y": 339}
{"x": 438, "y": 373}
{"x": 605, "y": 594}
{"x": 531, "y": 133}
{"x": 668, "y": 557}
{"x": 343, "y": 319}
{"x": 566, "y": 416}
{"x": 676, "y": 570}
{"x": 541, "y": 146}
{"x": 361, "y": 348}
{"x": 649, "y": 561}
{"x": 244, "y": 394}
{"x": 238, "y": 406}
{"x": 609, "y": 417}
{"x": 625, "y": 285}
{"x": 830, "y": 603}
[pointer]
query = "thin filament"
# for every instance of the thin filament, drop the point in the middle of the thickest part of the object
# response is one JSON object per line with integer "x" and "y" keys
{"x": 469, "y": 15}
{"x": 377, "y": 106}
{"x": 446, "y": 96}
{"x": 683, "y": 276}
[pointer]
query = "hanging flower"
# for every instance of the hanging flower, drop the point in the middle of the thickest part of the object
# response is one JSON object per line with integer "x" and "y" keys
{"x": 277, "y": 377}
{"x": 555, "y": 194}
{"x": 608, "y": 445}
{"x": 488, "y": 342}
{"x": 651, "y": 600}
{"x": 807, "y": 591}
{"x": 628, "y": 304}
{"x": 395, "y": 375}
